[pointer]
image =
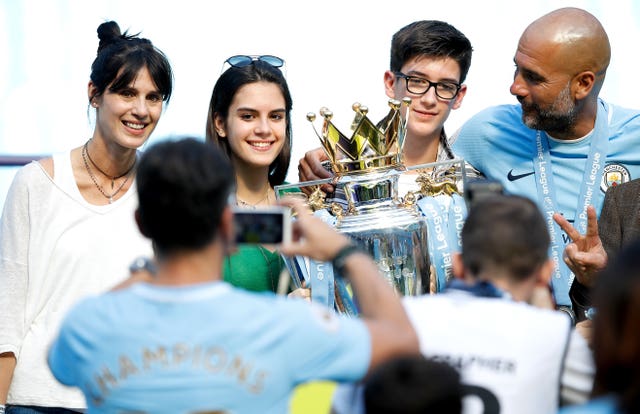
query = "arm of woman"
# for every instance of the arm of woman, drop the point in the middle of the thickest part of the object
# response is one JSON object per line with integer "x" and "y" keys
{"x": 7, "y": 365}
{"x": 14, "y": 242}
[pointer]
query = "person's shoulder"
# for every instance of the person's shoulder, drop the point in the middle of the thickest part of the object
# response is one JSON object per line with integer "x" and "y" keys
{"x": 540, "y": 312}
{"x": 29, "y": 179}
{"x": 624, "y": 123}
{"x": 47, "y": 165}
{"x": 543, "y": 320}
{"x": 493, "y": 123}
{"x": 291, "y": 313}
{"x": 34, "y": 169}
{"x": 84, "y": 314}
{"x": 276, "y": 303}
{"x": 265, "y": 302}
{"x": 420, "y": 305}
{"x": 618, "y": 112}
{"x": 497, "y": 113}
{"x": 551, "y": 321}
{"x": 507, "y": 309}
{"x": 96, "y": 302}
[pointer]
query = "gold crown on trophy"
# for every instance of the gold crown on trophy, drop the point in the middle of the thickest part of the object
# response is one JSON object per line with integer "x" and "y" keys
{"x": 371, "y": 146}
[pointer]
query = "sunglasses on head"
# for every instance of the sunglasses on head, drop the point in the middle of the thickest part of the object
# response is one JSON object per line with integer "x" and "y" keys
{"x": 240, "y": 61}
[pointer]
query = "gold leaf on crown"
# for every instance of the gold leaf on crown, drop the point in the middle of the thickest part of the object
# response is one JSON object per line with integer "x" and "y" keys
{"x": 370, "y": 146}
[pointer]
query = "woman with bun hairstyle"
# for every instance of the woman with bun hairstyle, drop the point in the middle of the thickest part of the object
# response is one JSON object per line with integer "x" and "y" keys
{"x": 67, "y": 228}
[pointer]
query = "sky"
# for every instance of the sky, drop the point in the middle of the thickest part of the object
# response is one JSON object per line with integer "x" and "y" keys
{"x": 335, "y": 51}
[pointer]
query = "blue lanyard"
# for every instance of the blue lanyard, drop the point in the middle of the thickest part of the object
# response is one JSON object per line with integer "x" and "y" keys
{"x": 444, "y": 225}
{"x": 320, "y": 278}
{"x": 439, "y": 246}
{"x": 457, "y": 216}
{"x": 589, "y": 193}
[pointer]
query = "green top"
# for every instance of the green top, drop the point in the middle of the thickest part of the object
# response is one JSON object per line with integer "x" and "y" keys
{"x": 253, "y": 268}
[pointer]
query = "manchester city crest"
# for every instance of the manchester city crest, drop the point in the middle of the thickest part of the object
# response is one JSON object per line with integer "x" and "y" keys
{"x": 613, "y": 175}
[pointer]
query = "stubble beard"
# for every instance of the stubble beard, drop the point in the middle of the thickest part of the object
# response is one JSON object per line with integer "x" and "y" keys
{"x": 559, "y": 118}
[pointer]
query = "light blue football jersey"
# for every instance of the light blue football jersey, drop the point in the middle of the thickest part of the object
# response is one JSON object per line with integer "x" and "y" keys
{"x": 207, "y": 347}
{"x": 501, "y": 147}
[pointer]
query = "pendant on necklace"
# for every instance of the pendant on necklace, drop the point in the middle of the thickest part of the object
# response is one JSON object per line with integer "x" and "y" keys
{"x": 111, "y": 200}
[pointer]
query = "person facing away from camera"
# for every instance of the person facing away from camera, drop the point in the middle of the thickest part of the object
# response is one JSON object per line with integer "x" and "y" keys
{"x": 187, "y": 341}
{"x": 529, "y": 358}
{"x": 413, "y": 384}
{"x": 616, "y": 298}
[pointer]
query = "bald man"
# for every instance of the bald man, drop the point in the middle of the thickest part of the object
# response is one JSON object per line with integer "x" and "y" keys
{"x": 563, "y": 146}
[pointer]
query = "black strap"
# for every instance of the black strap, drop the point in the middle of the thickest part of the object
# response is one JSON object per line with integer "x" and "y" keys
{"x": 340, "y": 259}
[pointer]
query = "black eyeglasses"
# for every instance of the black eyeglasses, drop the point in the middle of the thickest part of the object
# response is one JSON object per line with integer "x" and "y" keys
{"x": 420, "y": 86}
{"x": 240, "y": 61}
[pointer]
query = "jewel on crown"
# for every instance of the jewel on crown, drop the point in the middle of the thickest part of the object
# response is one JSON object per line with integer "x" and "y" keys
{"x": 371, "y": 146}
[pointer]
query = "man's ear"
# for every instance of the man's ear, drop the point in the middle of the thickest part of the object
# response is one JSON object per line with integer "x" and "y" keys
{"x": 583, "y": 83}
{"x": 457, "y": 266}
{"x": 139, "y": 223}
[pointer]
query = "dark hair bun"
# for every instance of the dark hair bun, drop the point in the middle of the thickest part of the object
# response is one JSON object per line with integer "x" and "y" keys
{"x": 108, "y": 33}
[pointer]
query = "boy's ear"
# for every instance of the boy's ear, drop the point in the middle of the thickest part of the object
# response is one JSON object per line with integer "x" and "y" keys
{"x": 390, "y": 84}
{"x": 457, "y": 101}
{"x": 544, "y": 275}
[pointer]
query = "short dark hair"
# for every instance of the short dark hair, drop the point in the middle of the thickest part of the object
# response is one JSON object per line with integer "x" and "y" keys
{"x": 430, "y": 38}
{"x": 505, "y": 233}
{"x": 616, "y": 339}
{"x": 223, "y": 93}
{"x": 411, "y": 385}
{"x": 121, "y": 56}
{"x": 183, "y": 187}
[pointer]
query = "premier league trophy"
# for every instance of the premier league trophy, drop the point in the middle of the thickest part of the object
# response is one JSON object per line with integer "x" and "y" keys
{"x": 407, "y": 219}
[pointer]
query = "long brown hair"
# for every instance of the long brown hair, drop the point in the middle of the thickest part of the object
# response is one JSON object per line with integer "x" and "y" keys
{"x": 223, "y": 93}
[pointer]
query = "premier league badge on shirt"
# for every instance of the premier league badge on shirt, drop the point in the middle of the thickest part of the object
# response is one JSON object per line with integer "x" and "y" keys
{"x": 613, "y": 175}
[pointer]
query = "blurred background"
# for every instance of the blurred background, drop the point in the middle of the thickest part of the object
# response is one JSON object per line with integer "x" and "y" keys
{"x": 336, "y": 53}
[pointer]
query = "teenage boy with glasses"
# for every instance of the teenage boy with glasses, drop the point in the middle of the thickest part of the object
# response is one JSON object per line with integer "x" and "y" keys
{"x": 429, "y": 62}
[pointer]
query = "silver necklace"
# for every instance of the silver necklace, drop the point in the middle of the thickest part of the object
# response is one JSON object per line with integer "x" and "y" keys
{"x": 112, "y": 178}
{"x": 243, "y": 203}
{"x": 85, "y": 155}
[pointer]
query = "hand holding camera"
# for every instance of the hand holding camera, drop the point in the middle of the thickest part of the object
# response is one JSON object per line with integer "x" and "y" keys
{"x": 312, "y": 237}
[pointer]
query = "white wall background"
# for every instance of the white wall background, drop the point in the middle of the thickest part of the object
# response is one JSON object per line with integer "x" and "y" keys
{"x": 335, "y": 51}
